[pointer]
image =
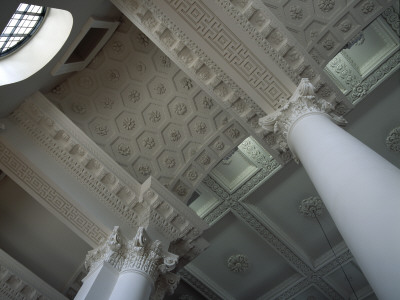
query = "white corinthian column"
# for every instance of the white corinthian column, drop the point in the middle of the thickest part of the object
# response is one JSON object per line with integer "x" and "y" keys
{"x": 123, "y": 269}
{"x": 360, "y": 189}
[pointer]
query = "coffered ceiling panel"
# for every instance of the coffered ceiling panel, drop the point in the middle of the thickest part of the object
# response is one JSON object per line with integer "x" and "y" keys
{"x": 148, "y": 115}
{"x": 273, "y": 198}
{"x": 239, "y": 262}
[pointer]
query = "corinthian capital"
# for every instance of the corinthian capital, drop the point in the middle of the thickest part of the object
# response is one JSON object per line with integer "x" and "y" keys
{"x": 302, "y": 103}
{"x": 139, "y": 254}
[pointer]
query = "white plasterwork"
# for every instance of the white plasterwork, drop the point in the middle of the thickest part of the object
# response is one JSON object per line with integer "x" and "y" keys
{"x": 18, "y": 282}
{"x": 131, "y": 205}
{"x": 302, "y": 103}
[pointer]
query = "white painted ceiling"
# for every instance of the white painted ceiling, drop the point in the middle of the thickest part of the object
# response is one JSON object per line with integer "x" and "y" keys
{"x": 249, "y": 199}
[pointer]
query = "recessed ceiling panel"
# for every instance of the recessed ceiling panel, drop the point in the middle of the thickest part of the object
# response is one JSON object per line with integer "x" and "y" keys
{"x": 240, "y": 262}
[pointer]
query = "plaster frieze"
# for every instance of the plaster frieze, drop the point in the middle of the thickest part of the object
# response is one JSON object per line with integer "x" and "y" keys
{"x": 393, "y": 140}
{"x": 37, "y": 186}
{"x": 194, "y": 60}
{"x": 149, "y": 204}
{"x": 388, "y": 67}
{"x": 19, "y": 283}
{"x": 302, "y": 103}
{"x": 324, "y": 27}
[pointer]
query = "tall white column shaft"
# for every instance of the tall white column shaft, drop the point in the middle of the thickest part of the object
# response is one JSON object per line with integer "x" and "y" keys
{"x": 361, "y": 191}
{"x": 132, "y": 286}
{"x": 123, "y": 269}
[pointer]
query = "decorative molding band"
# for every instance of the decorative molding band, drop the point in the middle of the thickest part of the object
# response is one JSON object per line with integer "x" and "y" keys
{"x": 393, "y": 140}
{"x": 199, "y": 286}
{"x": 219, "y": 36}
{"x": 147, "y": 16}
{"x": 21, "y": 172}
{"x": 393, "y": 19}
{"x": 335, "y": 263}
{"x": 18, "y": 283}
{"x": 250, "y": 220}
{"x": 217, "y": 213}
{"x": 277, "y": 41}
{"x": 134, "y": 204}
{"x": 377, "y": 77}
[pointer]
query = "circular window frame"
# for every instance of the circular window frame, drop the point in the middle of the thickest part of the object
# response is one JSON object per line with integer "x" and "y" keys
{"x": 28, "y": 36}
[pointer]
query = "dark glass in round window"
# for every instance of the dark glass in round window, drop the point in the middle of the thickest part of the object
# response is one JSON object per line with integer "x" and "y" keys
{"x": 22, "y": 26}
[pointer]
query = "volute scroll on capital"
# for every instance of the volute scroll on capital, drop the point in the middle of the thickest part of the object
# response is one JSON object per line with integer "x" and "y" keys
{"x": 139, "y": 254}
{"x": 303, "y": 102}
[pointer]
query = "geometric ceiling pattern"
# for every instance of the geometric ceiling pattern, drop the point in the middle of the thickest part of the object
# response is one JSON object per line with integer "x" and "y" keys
{"x": 373, "y": 56}
{"x": 161, "y": 115}
{"x": 148, "y": 115}
{"x": 323, "y": 27}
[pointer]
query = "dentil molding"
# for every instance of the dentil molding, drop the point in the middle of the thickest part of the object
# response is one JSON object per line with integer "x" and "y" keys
{"x": 149, "y": 204}
{"x": 19, "y": 283}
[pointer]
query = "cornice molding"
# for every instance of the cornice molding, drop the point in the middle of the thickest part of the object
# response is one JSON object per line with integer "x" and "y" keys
{"x": 132, "y": 203}
{"x": 203, "y": 284}
{"x": 19, "y": 170}
{"x": 194, "y": 282}
{"x": 18, "y": 283}
{"x": 189, "y": 57}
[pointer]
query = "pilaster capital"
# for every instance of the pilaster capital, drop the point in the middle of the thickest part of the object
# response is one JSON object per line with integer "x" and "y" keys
{"x": 303, "y": 102}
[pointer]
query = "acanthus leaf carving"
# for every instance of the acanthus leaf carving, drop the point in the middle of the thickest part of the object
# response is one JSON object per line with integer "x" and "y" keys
{"x": 302, "y": 102}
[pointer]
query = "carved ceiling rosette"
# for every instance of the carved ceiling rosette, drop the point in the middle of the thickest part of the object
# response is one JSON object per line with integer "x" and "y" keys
{"x": 302, "y": 102}
{"x": 393, "y": 140}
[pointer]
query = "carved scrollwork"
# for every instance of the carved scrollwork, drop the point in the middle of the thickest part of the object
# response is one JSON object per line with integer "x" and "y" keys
{"x": 302, "y": 102}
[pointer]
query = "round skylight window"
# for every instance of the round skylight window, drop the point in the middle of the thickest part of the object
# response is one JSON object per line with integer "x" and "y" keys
{"x": 21, "y": 27}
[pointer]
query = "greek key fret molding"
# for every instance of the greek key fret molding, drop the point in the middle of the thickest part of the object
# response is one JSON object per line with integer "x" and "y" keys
{"x": 322, "y": 27}
{"x": 230, "y": 47}
{"x": 21, "y": 172}
{"x": 140, "y": 255}
{"x": 302, "y": 102}
{"x": 141, "y": 205}
{"x": 277, "y": 41}
{"x": 192, "y": 58}
{"x": 19, "y": 283}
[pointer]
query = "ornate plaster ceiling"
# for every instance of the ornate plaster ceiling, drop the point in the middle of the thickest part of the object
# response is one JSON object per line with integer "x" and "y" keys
{"x": 147, "y": 114}
{"x": 170, "y": 111}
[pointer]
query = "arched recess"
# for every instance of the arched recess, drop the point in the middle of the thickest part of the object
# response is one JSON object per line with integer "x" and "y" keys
{"x": 39, "y": 50}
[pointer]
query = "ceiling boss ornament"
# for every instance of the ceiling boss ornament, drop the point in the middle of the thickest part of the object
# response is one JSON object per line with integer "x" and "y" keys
{"x": 302, "y": 102}
{"x": 311, "y": 207}
{"x": 393, "y": 140}
{"x": 238, "y": 263}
